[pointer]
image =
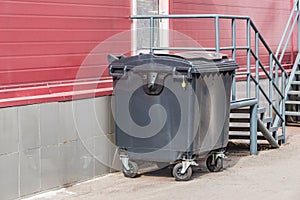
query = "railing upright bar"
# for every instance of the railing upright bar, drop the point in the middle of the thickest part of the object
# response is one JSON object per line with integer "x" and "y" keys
{"x": 248, "y": 58}
{"x": 283, "y": 84}
{"x": 277, "y": 84}
{"x": 271, "y": 86}
{"x": 233, "y": 26}
{"x": 253, "y": 129}
{"x": 151, "y": 35}
{"x": 217, "y": 26}
{"x": 257, "y": 65}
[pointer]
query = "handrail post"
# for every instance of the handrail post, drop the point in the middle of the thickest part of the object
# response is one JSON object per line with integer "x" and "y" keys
{"x": 151, "y": 35}
{"x": 283, "y": 85}
{"x": 233, "y": 27}
{"x": 277, "y": 84}
{"x": 271, "y": 86}
{"x": 257, "y": 65}
{"x": 217, "y": 27}
{"x": 248, "y": 58}
{"x": 253, "y": 129}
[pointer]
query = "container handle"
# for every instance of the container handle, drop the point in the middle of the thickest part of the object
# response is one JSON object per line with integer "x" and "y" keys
{"x": 180, "y": 75}
{"x": 114, "y": 72}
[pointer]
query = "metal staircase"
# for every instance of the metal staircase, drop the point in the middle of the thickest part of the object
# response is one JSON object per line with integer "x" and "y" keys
{"x": 241, "y": 123}
{"x": 293, "y": 95}
{"x": 259, "y": 113}
{"x": 292, "y": 91}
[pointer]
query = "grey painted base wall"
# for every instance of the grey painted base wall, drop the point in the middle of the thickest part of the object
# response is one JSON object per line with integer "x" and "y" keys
{"x": 46, "y": 146}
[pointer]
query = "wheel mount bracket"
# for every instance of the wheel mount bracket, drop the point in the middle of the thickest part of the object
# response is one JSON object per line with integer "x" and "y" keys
{"x": 125, "y": 160}
{"x": 186, "y": 164}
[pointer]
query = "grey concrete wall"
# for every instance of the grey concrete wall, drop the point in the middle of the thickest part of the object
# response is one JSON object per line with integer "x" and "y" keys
{"x": 50, "y": 145}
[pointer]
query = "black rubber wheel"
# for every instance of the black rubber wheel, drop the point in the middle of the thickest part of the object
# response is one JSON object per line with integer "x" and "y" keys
{"x": 132, "y": 172}
{"x": 214, "y": 166}
{"x": 179, "y": 176}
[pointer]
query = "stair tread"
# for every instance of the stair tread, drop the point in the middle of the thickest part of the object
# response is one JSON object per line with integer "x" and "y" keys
{"x": 244, "y": 137}
{"x": 267, "y": 119}
{"x": 294, "y": 92}
{"x": 273, "y": 129}
{"x": 292, "y": 113}
{"x": 296, "y": 82}
{"x": 239, "y": 120}
{"x": 247, "y": 129}
{"x": 280, "y": 137}
{"x": 242, "y": 129}
{"x": 247, "y": 110}
{"x": 292, "y": 102}
{"x": 297, "y": 72}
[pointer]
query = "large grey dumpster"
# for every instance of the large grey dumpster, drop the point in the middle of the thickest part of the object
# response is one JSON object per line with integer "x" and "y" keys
{"x": 172, "y": 109}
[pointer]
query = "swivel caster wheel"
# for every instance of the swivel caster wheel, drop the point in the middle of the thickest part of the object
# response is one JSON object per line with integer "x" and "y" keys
{"x": 214, "y": 164}
{"x": 179, "y": 176}
{"x": 132, "y": 171}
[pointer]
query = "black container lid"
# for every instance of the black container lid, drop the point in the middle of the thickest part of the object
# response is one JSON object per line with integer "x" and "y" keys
{"x": 200, "y": 62}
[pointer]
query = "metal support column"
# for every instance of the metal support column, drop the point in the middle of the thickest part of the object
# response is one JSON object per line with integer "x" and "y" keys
{"x": 248, "y": 58}
{"x": 234, "y": 57}
{"x": 271, "y": 86}
{"x": 283, "y": 108}
{"x": 253, "y": 129}
{"x": 257, "y": 65}
{"x": 151, "y": 35}
{"x": 217, "y": 34}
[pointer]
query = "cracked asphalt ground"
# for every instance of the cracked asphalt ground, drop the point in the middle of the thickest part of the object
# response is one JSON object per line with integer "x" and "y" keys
{"x": 273, "y": 174}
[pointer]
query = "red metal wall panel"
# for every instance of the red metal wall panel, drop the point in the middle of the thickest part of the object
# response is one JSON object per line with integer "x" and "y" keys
{"x": 42, "y": 41}
{"x": 270, "y": 16}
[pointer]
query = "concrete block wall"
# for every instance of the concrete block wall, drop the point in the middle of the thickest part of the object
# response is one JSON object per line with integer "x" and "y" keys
{"x": 50, "y": 145}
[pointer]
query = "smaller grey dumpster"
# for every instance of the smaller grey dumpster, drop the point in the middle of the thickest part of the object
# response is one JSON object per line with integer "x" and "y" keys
{"x": 172, "y": 109}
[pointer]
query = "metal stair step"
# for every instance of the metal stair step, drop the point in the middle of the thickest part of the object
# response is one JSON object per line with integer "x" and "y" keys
{"x": 268, "y": 120}
{"x": 280, "y": 137}
{"x": 297, "y": 72}
{"x": 293, "y": 102}
{"x": 239, "y": 129}
{"x": 247, "y": 110}
{"x": 296, "y": 83}
{"x": 239, "y": 120}
{"x": 273, "y": 129}
{"x": 293, "y": 92}
{"x": 292, "y": 113}
{"x": 247, "y": 129}
{"x": 245, "y": 137}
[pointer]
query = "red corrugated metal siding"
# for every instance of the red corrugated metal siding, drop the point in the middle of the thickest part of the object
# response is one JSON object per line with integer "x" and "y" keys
{"x": 46, "y": 41}
{"x": 270, "y": 16}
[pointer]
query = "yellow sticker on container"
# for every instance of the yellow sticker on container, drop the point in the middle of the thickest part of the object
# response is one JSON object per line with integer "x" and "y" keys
{"x": 183, "y": 84}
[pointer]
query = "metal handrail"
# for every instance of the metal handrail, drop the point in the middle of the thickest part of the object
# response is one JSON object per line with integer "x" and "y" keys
{"x": 286, "y": 37}
{"x": 288, "y": 24}
{"x": 250, "y": 53}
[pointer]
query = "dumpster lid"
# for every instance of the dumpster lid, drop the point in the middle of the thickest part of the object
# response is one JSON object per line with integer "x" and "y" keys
{"x": 199, "y": 62}
{"x": 204, "y": 56}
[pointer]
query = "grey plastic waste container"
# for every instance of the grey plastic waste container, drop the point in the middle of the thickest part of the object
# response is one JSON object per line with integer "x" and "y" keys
{"x": 172, "y": 108}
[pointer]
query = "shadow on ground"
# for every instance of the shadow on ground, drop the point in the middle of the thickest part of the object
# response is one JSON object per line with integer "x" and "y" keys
{"x": 235, "y": 151}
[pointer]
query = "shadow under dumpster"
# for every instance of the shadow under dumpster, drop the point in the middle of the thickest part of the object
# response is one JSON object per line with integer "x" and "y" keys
{"x": 235, "y": 151}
